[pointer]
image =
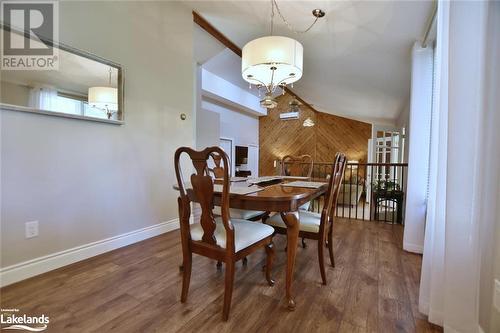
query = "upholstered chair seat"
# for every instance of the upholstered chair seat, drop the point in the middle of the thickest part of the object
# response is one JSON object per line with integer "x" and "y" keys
{"x": 246, "y": 233}
{"x": 241, "y": 214}
{"x": 309, "y": 221}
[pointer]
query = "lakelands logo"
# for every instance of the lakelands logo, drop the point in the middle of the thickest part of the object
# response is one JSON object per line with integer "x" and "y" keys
{"x": 30, "y": 30}
{"x": 11, "y": 320}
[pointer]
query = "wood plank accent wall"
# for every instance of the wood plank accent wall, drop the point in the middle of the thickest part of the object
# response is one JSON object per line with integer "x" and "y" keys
{"x": 278, "y": 138}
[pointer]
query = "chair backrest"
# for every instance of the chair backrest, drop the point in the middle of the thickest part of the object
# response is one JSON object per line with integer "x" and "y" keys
{"x": 334, "y": 185}
{"x": 217, "y": 171}
{"x": 300, "y": 166}
{"x": 202, "y": 189}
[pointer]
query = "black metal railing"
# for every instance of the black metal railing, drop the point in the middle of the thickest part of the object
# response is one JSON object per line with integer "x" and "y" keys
{"x": 369, "y": 191}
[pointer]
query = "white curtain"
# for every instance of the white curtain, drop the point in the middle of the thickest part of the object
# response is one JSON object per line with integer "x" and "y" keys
{"x": 418, "y": 155}
{"x": 456, "y": 214}
{"x": 43, "y": 97}
{"x": 431, "y": 301}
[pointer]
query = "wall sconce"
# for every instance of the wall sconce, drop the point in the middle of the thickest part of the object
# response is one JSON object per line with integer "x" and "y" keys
{"x": 308, "y": 122}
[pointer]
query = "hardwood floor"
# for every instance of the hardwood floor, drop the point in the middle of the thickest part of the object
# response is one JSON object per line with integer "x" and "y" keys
{"x": 373, "y": 288}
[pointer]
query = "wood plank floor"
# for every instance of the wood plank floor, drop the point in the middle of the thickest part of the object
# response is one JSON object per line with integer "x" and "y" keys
{"x": 373, "y": 288}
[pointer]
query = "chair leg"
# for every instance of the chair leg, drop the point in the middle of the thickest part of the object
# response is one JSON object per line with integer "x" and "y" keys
{"x": 228, "y": 290}
{"x": 269, "y": 263}
{"x": 321, "y": 260}
{"x": 186, "y": 276}
{"x": 304, "y": 245}
{"x": 245, "y": 261}
{"x": 330, "y": 246}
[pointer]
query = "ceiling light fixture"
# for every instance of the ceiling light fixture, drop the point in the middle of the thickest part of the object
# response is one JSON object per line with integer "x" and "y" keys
{"x": 104, "y": 98}
{"x": 274, "y": 61}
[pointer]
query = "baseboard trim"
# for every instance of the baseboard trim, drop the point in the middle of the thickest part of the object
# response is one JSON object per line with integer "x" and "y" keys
{"x": 37, "y": 266}
{"x": 413, "y": 248}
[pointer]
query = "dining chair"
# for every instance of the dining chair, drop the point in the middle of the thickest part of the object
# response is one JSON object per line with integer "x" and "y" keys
{"x": 319, "y": 226}
{"x": 299, "y": 166}
{"x": 223, "y": 239}
{"x": 218, "y": 172}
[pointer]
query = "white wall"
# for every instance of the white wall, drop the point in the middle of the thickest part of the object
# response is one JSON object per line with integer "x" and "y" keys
{"x": 207, "y": 129}
{"x": 13, "y": 93}
{"x": 85, "y": 181}
{"x": 231, "y": 95}
{"x": 239, "y": 126}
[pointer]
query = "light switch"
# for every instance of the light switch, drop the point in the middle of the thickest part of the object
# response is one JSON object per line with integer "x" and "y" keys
{"x": 31, "y": 229}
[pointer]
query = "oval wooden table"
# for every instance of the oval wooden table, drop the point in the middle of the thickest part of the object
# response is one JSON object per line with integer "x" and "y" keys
{"x": 285, "y": 200}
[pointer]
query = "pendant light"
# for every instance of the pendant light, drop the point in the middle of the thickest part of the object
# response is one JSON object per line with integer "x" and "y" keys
{"x": 104, "y": 98}
{"x": 274, "y": 61}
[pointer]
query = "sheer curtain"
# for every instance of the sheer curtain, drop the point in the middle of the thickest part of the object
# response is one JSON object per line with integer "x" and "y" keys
{"x": 431, "y": 301}
{"x": 455, "y": 213}
{"x": 43, "y": 97}
{"x": 418, "y": 154}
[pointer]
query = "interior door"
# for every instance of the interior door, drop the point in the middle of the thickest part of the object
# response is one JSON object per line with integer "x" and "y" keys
{"x": 371, "y": 157}
{"x": 387, "y": 147}
{"x": 227, "y": 145}
{"x": 253, "y": 160}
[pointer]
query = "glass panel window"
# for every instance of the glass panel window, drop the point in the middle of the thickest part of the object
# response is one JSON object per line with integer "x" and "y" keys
{"x": 68, "y": 105}
{"x": 91, "y": 111}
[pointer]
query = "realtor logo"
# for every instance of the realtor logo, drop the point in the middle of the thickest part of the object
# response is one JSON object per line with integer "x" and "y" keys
{"x": 29, "y": 31}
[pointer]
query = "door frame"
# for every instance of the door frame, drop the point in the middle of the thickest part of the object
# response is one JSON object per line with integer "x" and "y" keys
{"x": 232, "y": 155}
{"x": 258, "y": 159}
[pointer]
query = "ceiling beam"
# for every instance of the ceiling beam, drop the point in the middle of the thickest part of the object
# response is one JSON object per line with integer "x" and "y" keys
{"x": 205, "y": 25}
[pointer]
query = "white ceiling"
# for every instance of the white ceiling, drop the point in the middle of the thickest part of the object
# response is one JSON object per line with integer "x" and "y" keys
{"x": 356, "y": 59}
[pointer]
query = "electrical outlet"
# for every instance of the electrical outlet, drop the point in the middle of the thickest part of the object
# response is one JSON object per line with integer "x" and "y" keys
{"x": 31, "y": 229}
{"x": 496, "y": 296}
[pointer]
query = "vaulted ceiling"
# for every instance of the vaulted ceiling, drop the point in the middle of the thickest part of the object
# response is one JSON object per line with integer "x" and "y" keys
{"x": 357, "y": 58}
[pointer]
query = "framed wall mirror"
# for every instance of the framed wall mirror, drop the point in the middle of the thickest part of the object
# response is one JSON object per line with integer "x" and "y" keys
{"x": 83, "y": 86}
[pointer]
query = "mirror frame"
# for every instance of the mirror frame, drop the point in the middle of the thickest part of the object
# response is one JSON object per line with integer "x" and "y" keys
{"x": 85, "y": 54}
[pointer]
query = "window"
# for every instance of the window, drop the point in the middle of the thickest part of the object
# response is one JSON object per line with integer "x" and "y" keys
{"x": 77, "y": 105}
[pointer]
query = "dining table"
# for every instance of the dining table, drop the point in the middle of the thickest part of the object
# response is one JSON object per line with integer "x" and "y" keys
{"x": 279, "y": 196}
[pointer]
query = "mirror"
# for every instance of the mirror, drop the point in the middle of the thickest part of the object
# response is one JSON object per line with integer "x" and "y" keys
{"x": 83, "y": 85}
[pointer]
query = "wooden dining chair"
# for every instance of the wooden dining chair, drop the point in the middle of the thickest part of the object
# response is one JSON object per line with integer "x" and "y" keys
{"x": 218, "y": 172}
{"x": 299, "y": 166}
{"x": 319, "y": 226}
{"x": 223, "y": 239}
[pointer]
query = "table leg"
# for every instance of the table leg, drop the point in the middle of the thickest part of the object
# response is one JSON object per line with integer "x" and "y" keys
{"x": 292, "y": 222}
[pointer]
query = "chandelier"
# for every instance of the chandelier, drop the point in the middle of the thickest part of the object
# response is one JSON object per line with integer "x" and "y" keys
{"x": 104, "y": 98}
{"x": 274, "y": 61}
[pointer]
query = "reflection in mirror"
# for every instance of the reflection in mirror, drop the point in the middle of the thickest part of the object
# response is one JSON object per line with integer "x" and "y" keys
{"x": 83, "y": 86}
